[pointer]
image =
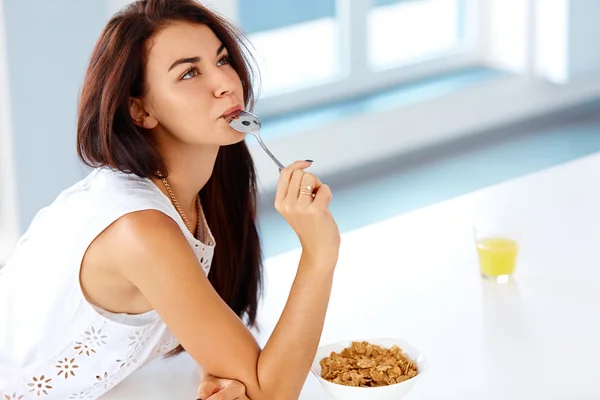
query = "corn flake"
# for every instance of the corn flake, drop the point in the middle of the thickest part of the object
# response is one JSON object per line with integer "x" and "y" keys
{"x": 367, "y": 365}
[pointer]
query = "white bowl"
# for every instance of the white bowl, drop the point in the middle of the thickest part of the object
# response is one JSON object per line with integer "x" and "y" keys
{"x": 390, "y": 392}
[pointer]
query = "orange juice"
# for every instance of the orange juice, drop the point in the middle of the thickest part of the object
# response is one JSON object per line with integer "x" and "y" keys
{"x": 497, "y": 256}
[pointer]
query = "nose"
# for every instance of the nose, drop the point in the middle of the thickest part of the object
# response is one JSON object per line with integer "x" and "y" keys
{"x": 224, "y": 84}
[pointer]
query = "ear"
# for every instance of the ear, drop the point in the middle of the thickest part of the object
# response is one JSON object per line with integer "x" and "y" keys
{"x": 139, "y": 115}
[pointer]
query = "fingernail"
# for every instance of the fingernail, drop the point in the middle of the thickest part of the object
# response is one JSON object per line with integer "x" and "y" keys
{"x": 309, "y": 160}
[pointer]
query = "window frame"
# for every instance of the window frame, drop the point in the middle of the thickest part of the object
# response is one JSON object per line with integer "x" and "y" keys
{"x": 357, "y": 77}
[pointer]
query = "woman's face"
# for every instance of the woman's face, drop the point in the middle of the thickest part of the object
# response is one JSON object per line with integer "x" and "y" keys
{"x": 190, "y": 85}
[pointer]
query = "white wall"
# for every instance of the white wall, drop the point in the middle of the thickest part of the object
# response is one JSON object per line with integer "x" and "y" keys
{"x": 553, "y": 40}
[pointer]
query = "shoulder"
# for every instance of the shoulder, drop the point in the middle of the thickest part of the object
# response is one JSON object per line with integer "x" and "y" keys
{"x": 142, "y": 226}
{"x": 147, "y": 237}
{"x": 142, "y": 231}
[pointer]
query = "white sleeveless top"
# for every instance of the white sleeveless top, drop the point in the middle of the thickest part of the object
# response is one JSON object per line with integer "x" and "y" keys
{"x": 54, "y": 344}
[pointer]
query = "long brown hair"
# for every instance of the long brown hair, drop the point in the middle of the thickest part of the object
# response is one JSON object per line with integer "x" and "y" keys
{"x": 107, "y": 136}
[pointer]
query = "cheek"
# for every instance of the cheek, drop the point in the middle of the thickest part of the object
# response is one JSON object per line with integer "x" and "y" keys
{"x": 238, "y": 82}
{"x": 183, "y": 103}
{"x": 241, "y": 92}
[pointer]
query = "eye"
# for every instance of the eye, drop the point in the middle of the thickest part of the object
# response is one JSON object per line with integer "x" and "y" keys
{"x": 190, "y": 73}
{"x": 224, "y": 61}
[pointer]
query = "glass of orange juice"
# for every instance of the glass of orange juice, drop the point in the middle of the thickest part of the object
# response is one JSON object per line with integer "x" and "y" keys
{"x": 497, "y": 240}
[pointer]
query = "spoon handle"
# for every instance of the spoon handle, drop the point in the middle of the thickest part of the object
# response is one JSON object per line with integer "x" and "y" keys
{"x": 275, "y": 160}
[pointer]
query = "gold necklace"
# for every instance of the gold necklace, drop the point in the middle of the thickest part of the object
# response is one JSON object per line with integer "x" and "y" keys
{"x": 180, "y": 211}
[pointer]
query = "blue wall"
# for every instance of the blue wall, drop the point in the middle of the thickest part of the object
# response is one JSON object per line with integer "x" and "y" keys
{"x": 48, "y": 45}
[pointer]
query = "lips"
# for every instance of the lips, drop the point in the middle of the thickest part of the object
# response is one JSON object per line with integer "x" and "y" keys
{"x": 232, "y": 112}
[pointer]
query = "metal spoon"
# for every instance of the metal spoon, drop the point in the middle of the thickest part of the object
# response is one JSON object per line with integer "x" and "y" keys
{"x": 247, "y": 122}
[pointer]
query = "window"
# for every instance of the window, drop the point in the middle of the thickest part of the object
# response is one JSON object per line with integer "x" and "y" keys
{"x": 320, "y": 51}
{"x": 401, "y": 32}
{"x": 297, "y": 43}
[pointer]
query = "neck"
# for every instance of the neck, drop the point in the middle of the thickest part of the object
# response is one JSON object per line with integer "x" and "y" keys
{"x": 190, "y": 167}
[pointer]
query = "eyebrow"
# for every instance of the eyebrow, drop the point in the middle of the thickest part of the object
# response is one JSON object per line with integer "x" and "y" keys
{"x": 193, "y": 60}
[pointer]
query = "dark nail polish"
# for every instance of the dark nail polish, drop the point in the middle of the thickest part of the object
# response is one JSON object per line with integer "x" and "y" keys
{"x": 308, "y": 160}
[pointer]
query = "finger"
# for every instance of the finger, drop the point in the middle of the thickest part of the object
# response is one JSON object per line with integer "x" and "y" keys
{"x": 284, "y": 179}
{"x": 323, "y": 197}
{"x": 318, "y": 183}
{"x": 207, "y": 387}
{"x": 229, "y": 390}
{"x": 294, "y": 187}
{"x": 222, "y": 395}
{"x": 235, "y": 388}
{"x": 308, "y": 181}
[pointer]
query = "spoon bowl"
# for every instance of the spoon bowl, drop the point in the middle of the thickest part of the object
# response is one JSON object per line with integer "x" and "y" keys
{"x": 246, "y": 122}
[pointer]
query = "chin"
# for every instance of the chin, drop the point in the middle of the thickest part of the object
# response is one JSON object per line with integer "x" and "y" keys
{"x": 231, "y": 137}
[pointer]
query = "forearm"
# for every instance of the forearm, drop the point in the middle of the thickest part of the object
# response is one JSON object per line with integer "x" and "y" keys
{"x": 288, "y": 355}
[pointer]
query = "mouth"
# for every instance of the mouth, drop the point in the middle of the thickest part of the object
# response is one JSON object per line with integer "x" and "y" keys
{"x": 232, "y": 113}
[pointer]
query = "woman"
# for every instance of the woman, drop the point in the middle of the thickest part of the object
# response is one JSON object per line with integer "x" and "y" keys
{"x": 116, "y": 271}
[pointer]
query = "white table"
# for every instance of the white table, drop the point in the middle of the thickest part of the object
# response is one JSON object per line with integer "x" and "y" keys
{"x": 416, "y": 277}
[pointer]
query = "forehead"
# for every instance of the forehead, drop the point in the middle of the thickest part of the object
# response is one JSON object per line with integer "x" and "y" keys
{"x": 182, "y": 39}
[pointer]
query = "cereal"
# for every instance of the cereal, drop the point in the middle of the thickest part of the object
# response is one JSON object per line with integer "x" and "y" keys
{"x": 367, "y": 365}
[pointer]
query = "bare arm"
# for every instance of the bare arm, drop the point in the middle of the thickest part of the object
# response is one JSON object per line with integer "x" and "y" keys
{"x": 155, "y": 256}
{"x": 296, "y": 335}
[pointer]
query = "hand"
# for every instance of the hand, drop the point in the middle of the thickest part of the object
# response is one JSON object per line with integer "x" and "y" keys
{"x": 213, "y": 388}
{"x": 309, "y": 217}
